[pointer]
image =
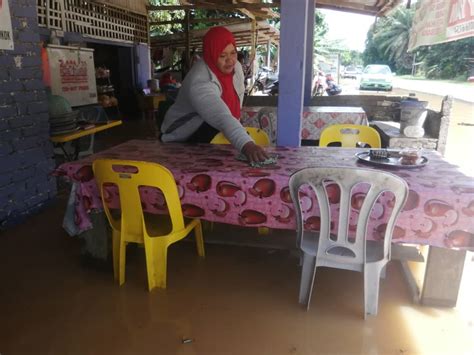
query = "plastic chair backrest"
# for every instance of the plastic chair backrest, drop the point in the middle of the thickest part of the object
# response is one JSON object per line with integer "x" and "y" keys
{"x": 129, "y": 176}
{"x": 330, "y": 249}
{"x": 349, "y": 135}
{"x": 259, "y": 136}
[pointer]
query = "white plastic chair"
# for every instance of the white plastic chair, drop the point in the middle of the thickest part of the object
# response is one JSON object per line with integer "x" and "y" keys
{"x": 319, "y": 249}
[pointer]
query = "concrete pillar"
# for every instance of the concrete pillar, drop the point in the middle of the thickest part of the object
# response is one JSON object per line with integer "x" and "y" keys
{"x": 309, "y": 52}
{"x": 292, "y": 70}
{"x": 142, "y": 64}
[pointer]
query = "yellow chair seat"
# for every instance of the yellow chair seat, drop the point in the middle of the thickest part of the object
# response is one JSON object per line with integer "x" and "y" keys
{"x": 132, "y": 225}
{"x": 259, "y": 136}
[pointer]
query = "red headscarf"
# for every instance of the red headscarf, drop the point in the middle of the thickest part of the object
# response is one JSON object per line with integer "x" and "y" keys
{"x": 214, "y": 42}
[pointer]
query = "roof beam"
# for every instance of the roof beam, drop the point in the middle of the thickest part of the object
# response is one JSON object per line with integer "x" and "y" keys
{"x": 226, "y": 20}
{"x": 229, "y": 7}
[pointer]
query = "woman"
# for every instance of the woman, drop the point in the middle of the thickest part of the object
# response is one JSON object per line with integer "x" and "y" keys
{"x": 210, "y": 98}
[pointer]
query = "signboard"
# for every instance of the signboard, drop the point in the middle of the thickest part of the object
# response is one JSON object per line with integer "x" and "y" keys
{"x": 72, "y": 74}
{"x": 439, "y": 21}
{"x": 6, "y": 33}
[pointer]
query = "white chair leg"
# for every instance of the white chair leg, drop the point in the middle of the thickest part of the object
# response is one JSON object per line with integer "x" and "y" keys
{"x": 383, "y": 272}
{"x": 308, "y": 272}
{"x": 371, "y": 289}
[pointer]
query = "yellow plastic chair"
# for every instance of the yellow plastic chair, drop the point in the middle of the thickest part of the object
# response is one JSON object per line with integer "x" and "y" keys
{"x": 349, "y": 135}
{"x": 260, "y": 138}
{"x": 258, "y": 135}
{"x": 156, "y": 232}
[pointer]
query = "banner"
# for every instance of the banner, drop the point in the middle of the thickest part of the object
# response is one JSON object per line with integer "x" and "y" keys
{"x": 439, "y": 21}
{"x": 6, "y": 33}
{"x": 72, "y": 74}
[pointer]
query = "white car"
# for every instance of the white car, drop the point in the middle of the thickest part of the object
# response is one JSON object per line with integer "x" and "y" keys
{"x": 350, "y": 72}
{"x": 376, "y": 77}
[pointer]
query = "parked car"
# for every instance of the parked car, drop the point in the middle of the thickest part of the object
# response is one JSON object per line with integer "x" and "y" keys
{"x": 350, "y": 72}
{"x": 376, "y": 77}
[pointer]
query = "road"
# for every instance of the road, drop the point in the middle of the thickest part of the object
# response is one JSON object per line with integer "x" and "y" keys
{"x": 460, "y": 91}
{"x": 460, "y": 144}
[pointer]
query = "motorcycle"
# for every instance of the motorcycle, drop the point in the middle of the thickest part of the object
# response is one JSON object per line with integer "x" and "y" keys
{"x": 272, "y": 90}
{"x": 264, "y": 81}
{"x": 332, "y": 88}
{"x": 319, "y": 84}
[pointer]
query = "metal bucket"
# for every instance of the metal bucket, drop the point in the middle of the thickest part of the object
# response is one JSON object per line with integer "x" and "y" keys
{"x": 413, "y": 114}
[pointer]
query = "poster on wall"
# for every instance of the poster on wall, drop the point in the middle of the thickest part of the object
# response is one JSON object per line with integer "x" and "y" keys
{"x": 72, "y": 74}
{"x": 6, "y": 33}
{"x": 439, "y": 21}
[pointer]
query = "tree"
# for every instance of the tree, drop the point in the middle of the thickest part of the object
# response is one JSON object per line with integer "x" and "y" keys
{"x": 447, "y": 60}
{"x": 161, "y": 30}
{"x": 387, "y": 41}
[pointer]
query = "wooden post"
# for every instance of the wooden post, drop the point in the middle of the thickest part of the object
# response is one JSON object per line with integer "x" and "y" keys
{"x": 253, "y": 50}
{"x": 278, "y": 58}
{"x": 269, "y": 47}
{"x": 292, "y": 74}
{"x": 186, "y": 60}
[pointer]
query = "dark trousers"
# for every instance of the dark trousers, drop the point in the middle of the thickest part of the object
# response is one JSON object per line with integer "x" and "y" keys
{"x": 204, "y": 134}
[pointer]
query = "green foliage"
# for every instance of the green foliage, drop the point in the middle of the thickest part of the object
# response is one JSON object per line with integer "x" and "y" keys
{"x": 165, "y": 16}
{"x": 387, "y": 41}
{"x": 199, "y": 14}
{"x": 447, "y": 60}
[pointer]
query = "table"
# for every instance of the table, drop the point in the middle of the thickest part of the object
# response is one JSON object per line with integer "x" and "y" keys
{"x": 151, "y": 103}
{"x": 64, "y": 138}
{"x": 314, "y": 120}
{"x": 215, "y": 186}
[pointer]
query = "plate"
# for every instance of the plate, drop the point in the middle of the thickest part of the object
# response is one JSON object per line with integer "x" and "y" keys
{"x": 392, "y": 161}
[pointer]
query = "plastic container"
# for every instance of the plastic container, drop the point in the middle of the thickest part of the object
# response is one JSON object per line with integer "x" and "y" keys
{"x": 413, "y": 114}
{"x": 410, "y": 156}
{"x": 154, "y": 85}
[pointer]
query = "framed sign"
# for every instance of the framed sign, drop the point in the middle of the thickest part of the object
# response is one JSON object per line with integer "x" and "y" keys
{"x": 72, "y": 74}
{"x": 439, "y": 21}
{"x": 6, "y": 33}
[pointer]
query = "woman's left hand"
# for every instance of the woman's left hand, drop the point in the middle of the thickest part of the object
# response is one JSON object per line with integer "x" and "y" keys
{"x": 254, "y": 153}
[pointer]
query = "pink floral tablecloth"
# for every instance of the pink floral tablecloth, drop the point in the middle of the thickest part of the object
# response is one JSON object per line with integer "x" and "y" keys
{"x": 214, "y": 186}
{"x": 315, "y": 119}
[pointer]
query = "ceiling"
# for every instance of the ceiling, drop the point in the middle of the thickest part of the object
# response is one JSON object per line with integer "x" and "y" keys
{"x": 241, "y": 31}
{"x": 259, "y": 11}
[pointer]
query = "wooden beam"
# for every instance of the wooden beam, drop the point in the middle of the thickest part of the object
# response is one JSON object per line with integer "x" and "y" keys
{"x": 226, "y": 20}
{"x": 347, "y": 7}
{"x": 227, "y": 7}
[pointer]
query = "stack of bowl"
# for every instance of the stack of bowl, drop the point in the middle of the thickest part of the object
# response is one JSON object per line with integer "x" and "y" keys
{"x": 62, "y": 118}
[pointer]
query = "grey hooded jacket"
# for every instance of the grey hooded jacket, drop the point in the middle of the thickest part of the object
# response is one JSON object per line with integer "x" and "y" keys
{"x": 199, "y": 100}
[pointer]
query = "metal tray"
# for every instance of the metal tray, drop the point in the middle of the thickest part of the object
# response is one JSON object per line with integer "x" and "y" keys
{"x": 392, "y": 161}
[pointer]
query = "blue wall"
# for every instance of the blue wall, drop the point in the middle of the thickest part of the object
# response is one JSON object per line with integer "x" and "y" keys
{"x": 26, "y": 154}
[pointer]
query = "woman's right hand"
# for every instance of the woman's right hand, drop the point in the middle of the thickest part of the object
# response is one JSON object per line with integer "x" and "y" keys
{"x": 254, "y": 153}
